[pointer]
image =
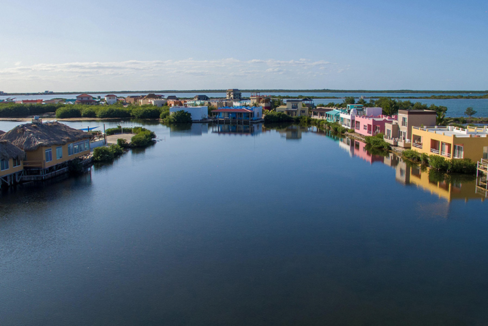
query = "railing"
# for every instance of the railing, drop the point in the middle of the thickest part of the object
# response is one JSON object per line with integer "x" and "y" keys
{"x": 418, "y": 145}
{"x": 35, "y": 164}
{"x": 435, "y": 151}
{"x": 447, "y": 154}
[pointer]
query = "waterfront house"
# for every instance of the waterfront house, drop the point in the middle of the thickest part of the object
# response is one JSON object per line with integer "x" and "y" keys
{"x": 320, "y": 113}
{"x": 238, "y": 114}
{"x": 371, "y": 125}
{"x": 85, "y": 99}
{"x": 201, "y": 98}
{"x": 148, "y": 99}
{"x": 54, "y": 101}
{"x": 30, "y": 101}
{"x": 261, "y": 100}
{"x": 233, "y": 94}
{"x": 198, "y": 113}
{"x": 171, "y": 103}
{"x": 451, "y": 142}
{"x": 347, "y": 115}
{"x": 11, "y": 163}
{"x": 333, "y": 115}
{"x": 293, "y": 108}
{"x": 110, "y": 99}
{"x": 399, "y": 132}
{"x": 132, "y": 99}
{"x": 172, "y": 97}
{"x": 48, "y": 147}
{"x": 219, "y": 103}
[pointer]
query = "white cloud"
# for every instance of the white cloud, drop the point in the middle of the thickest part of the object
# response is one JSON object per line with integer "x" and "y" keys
{"x": 169, "y": 74}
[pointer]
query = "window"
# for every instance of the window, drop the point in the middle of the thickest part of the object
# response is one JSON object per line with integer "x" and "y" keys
{"x": 4, "y": 165}
{"x": 377, "y": 129}
{"x": 303, "y": 111}
{"x": 485, "y": 152}
{"x": 365, "y": 127}
{"x": 76, "y": 149}
{"x": 16, "y": 162}
{"x": 404, "y": 121}
{"x": 59, "y": 153}
{"x": 458, "y": 151}
{"x": 70, "y": 149}
{"x": 358, "y": 125}
{"x": 388, "y": 134}
{"x": 87, "y": 143}
{"x": 49, "y": 155}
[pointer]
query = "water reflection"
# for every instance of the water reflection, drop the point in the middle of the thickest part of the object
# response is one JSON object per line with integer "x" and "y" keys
{"x": 235, "y": 129}
{"x": 184, "y": 130}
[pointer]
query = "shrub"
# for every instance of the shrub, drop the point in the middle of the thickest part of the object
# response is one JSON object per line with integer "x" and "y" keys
{"x": 142, "y": 139}
{"x": 103, "y": 154}
{"x": 68, "y": 112}
{"x": 411, "y": 155}
{"x": 351, "y": 131}
{"x": 164, "y": 112}
{"x": 122, "y": 143}
{"x": 424, "y": 158}
{"x": 465, "y": 166}
{"x": 377, "y": 142}
{"x": 438, "y": 163}
{"x": 146, "y": 112}
{"x": 277, "y": 117}
{"x": 116, "y": 150}
{"x": 89, "y": 112}
{"x": 113, "y": 112}
{"x": 180, "y": 117}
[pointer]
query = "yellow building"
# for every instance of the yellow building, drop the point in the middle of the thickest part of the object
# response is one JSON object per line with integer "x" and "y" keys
{"x": 48, "y": 146}
{"x": 11, "y": 163}
{"x": 294, "y": 108}
{"x": 451, "y": 142}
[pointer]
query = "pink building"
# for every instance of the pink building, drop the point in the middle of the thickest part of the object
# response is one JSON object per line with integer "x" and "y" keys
{"x": 372, "y": 125}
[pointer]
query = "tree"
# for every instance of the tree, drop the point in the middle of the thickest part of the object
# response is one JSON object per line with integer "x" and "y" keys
{"x": 389, "y": 106}
{"x": 470, "y": 112}
{"x": 349, "y": 100}
{"x": 180, "y": 117}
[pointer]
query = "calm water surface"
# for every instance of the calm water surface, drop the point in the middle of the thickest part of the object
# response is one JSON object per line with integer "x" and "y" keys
{"x": 282, "y": 227}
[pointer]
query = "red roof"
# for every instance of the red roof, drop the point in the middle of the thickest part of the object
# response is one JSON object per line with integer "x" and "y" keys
{"x": 84, "y": 95}
{"x": 233, "y": 110}
{"x": 109, "y": 95}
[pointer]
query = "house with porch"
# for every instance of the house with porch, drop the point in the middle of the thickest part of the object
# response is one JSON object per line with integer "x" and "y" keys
{"x": 85, "y": 99}
{"x": 399, "y": 132}
{"x": 11, "y": 163}
{"x": 348, "y": 115}
{"x": 451, "y": 142}
{"x": 48, "y": 147}
{"x": 320, "y": 113}
{"x": 239, "y": 114}
{"x": 293, "y": 108}
{"x": 333, "y": 115}
{"x": 110, "y": 99}
{"x": 371, "y": 125}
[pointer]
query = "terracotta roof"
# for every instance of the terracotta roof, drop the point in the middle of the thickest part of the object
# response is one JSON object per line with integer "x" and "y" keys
{"x": 84, "y": 95}
{"x": 111, "y": 95}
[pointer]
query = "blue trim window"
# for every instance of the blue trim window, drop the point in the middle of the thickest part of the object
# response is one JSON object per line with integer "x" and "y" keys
{"x": 70, "y": 149}
{"x": 4, "y": 165}
{"x": 49, "y": 155}
{"x": 59, "y": 152}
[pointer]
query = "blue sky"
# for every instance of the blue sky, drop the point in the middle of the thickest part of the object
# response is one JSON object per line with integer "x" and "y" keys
{"x": 141, "y": 45}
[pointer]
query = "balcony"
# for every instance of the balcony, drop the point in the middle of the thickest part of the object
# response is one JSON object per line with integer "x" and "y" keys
{"x": 417, "y": 145}
{"x": 435, "y": 151}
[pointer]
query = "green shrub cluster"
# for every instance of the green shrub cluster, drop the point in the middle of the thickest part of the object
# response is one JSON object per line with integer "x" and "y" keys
{"x": 274, "y": 116}
{"x": 377, "y": 142}
{"x": 107, "y": 154}
{"x": 441, "y": 164}
{"x": 14, "y": 110}
{"x": 109, "y": 111}
{"x": 142, "y": 139}
{"x": 179, "y": 117}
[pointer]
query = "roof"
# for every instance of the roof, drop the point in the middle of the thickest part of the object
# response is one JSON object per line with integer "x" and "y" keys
{"x": 8, "y": 151}
{"x": 334, "y": 112}
{"x": 233, "y": 110}
{"x": 322, "y": 109}
{"x": 152, "y": 96}
{"x": 84, "y": 95}
{"x": 417, "y": 112}
{"x": 31, "y": 136}
{"x": 293, "y": 101}
{"x": 172, "y": 97}
{"x": 111, "y": 95}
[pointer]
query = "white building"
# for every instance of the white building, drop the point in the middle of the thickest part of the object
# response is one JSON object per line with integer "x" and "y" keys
{"x": 198, "y": 113}
{"x": 111, "y": 99}
{"x": 158, "y": 102}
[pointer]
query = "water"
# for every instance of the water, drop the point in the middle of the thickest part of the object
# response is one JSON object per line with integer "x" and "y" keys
{"x": 456, "y": 107}
{"x": 279, "y": 227}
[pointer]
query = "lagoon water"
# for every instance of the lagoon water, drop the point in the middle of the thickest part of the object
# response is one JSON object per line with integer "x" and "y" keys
{"x": 285, "y": 226}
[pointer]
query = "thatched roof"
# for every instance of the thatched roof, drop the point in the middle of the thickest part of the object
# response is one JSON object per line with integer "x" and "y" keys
{"x": 2, "y": 132}
{"x": 8, "y": 151}
{"x": 32, "y": 135}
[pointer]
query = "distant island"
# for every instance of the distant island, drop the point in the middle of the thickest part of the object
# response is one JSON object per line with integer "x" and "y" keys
{"x": 261, "y": 91}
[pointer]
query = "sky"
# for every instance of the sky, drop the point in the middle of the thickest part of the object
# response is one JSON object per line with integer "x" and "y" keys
{"x": 109, "y": 45}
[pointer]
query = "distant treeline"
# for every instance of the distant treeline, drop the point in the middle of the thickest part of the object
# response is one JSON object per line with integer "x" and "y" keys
{"x": 263, "y": 91}
{"x": 13, "y": 110}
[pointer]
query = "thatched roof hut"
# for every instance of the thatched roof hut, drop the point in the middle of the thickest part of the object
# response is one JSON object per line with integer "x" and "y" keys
{"x": 2, "y": 132}
{"x": 31, "y": 136}
{"x": 8, "y": 151}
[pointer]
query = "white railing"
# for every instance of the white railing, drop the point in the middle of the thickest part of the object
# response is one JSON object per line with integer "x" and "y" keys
{"x": 435, "y": 151}
{"x": 417, "y": 145}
